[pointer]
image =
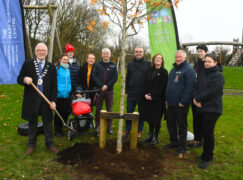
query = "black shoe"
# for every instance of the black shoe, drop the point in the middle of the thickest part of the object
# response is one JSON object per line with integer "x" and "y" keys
{"x": 194, "y": 144}
{"x": 154, "y": 141}
{"x": 180, "y": 151}
{"x": 203, "y": 164}
{"x": 170, "y": 146}
{"x": 59, "y": 134}
{"x": 109, "y": 131}
{"x": 148, "y": 139}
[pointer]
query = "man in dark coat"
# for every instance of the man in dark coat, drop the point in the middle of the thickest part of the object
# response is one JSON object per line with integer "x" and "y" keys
{"x": 43, "y": 74}
{"x": 105, "y": 75}
{"x": 135, "y": 88}
{"x": 197, "y": 118}
{"x": 179, "y": 96}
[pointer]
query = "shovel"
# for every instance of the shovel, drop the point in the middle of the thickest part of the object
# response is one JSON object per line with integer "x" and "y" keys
{"x": 48, "y": 102}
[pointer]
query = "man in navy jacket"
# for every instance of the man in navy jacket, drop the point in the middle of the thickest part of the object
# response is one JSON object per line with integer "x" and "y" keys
{"x": 179, "y": 96}
{"x": 105, "y": 75}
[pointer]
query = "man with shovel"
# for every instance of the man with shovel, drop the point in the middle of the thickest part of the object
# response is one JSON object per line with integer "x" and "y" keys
{"x": 41, "y": 73}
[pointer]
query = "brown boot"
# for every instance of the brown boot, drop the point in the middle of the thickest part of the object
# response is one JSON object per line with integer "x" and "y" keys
{"x": 53, "y": 149}
{"x": 30, "y": 150}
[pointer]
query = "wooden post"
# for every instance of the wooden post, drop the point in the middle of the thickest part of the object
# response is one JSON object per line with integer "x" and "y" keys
{"x": 133, "y": 140}
{"x": 56, "y": 32}
{"x": 220, "y": 56}
{"x": 103, "y": 124}
{"x": 53, "y": 27}
{"x": 113, "y": 115}
{"x": 28, "y": 44}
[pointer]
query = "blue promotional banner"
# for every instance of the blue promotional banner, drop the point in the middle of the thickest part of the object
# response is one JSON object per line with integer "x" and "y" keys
{"x": 12, "y": 51}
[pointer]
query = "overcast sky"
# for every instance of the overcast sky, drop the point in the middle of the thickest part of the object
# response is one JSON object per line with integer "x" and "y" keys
{"x": 208, "y": 20}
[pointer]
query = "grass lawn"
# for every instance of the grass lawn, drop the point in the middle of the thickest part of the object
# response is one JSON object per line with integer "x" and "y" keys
{"x": 15, "y": 164}
{"x": 233, "y": 77}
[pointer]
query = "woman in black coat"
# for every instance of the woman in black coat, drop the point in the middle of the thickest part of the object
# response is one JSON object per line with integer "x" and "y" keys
{"x": 86, "y": 70}
{"x": 208, "y": 101}
{"x": 154, "y": 102}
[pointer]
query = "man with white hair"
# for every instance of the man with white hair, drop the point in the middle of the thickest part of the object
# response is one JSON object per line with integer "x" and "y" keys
{"x": 105, "y": 75}
{"x": 43, "y": 74}
{"x": 179, "y": 96}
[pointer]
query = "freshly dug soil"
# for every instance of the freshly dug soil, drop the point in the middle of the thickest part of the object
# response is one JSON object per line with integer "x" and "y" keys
{"x": 91, "y": 162}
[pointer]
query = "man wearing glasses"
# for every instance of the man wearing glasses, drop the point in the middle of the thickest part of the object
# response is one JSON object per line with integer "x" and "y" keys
{"x": 43, "y": 74}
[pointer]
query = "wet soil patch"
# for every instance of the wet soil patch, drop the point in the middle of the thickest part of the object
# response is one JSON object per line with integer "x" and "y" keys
{"x": 89, "y": 161}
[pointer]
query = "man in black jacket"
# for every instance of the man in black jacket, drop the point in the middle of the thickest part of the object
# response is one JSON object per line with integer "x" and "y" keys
{"x": 43, "y": 74}
{"x": 202, "y": 50}
{"x": 135, "y": 88}
{"x": 105, "y": 75}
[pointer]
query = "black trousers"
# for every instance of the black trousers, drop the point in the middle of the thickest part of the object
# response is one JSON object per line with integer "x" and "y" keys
{"x": 47, "y": 125}
{"x": 63, "y": 107}
{"x": 197, "y": 124}
{"x": 177, "y": 125}
{"x": 209, "y": 122}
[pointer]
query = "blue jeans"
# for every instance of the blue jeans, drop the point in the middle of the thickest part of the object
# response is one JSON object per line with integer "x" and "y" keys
{"x": 131, "y": 105}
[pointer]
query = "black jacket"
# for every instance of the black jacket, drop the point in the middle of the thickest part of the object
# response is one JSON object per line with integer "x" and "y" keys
{"x": 135, "y": 78}
{"x": 75, "y": 73}
{"x": 105, "y": 74}
{"x": 83, "y": 75}
{"x": 156, "y": 82}
{"x": 31, "y": 97}
{"x": 209, "y": 90}
{"x": 199, "y": 67}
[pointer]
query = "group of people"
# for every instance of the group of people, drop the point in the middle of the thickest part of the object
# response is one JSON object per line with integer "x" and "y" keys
{"x": 58, "y": 82}
{"x": 148, "y": 86}
{"x": 156, "y": 94}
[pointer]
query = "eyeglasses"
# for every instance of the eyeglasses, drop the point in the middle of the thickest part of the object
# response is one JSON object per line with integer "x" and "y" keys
{"x": 138, "y": 51}
{"x": 41, "y": 50}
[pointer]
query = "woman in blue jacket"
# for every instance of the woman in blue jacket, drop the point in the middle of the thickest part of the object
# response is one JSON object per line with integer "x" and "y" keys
{"x": 64, "y": 88}
{"x": 208, "y": 94}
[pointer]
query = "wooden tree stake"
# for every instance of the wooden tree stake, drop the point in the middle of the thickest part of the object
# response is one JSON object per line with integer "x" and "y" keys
{"x": 103, "y": 124}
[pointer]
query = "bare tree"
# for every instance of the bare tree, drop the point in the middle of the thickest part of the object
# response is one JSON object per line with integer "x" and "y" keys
{"x": 74, "y": 18}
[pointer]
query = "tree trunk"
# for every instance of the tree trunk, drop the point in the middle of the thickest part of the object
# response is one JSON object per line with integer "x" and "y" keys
{"x": 53, "y": 28}
{"x": 122, "y": 72}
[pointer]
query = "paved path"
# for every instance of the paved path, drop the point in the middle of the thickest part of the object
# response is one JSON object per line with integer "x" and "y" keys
{"x": 234, "y": 92}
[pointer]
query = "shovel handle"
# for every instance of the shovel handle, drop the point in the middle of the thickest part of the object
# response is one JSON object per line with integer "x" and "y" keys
{"x": 48, "y": 102}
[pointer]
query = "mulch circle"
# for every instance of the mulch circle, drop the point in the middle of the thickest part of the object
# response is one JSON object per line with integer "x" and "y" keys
{"x": 89, "y": 161}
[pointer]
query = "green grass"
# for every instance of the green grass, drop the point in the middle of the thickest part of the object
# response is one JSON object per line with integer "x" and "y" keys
{"x": 15, "y": 164}
{"x": 233, "y": 77}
